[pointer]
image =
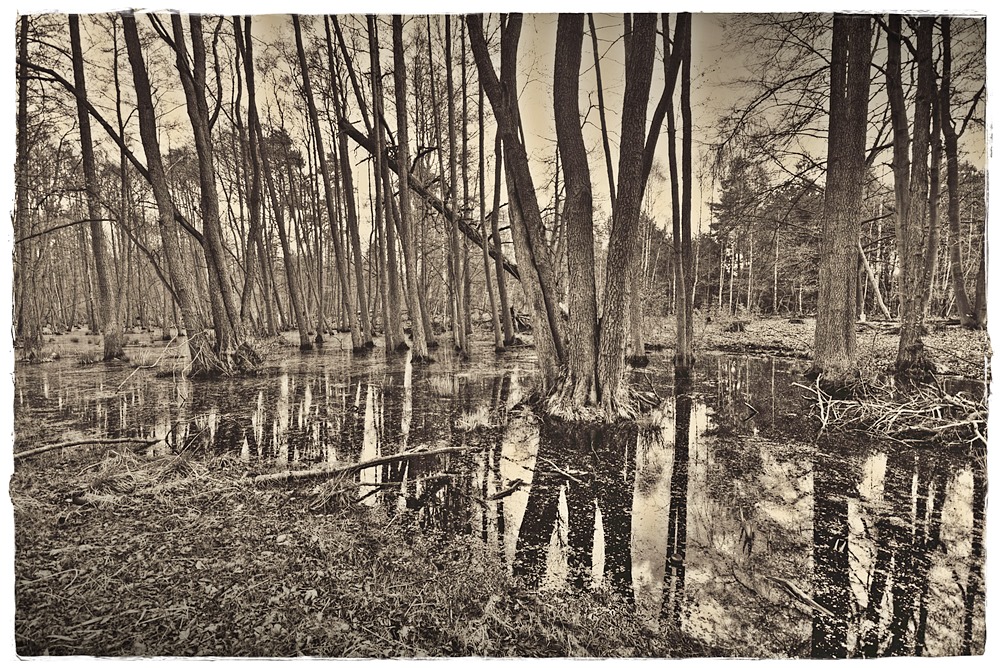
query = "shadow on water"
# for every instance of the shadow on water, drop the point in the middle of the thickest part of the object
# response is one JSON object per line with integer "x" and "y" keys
{"x": 721, "y": 514}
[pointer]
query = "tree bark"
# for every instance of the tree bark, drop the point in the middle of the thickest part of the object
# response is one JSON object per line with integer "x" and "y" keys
{"x": 457, "y": 257}
{"x": 537, "y": 276}
{"x": 965, "y": 313}
{"x": 836, "y": 339}
{"x": 202, "y": 357}
{"x": 498, "y": 344}
{"x": 579, "y": 385}
{"x": 229, "y": 336}
{"x": 611, "y": 368}
{"x": 910, "y": 184}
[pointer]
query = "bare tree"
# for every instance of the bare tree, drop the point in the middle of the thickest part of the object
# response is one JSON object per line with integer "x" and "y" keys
{"x": 835, "y": 342}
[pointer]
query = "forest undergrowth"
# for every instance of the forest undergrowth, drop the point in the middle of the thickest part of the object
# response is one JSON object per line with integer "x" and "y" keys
{"x": 121, "y": 555}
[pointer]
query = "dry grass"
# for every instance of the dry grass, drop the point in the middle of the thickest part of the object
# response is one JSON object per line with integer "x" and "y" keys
{"x": 121, "y": 555}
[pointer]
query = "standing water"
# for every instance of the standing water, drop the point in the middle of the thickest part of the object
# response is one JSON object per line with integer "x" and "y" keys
{"x": 723, "y": 513}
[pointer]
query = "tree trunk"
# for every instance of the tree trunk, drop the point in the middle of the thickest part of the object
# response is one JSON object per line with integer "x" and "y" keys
{"x": 498, "y": 344}
{"x": 360, "y": 340}
{"x": 621, "y": 247}
{"x": 910, "y": 183}
{"x": 601, "y": 111}
{"x": 457, "y": 258}
{"x": 110, "y": 320}
{"x": 525, "y": 216}
{"x": 836, "y": 339}
{"x": 965, "y": 313}
{"x": 406, "y": 225}
{"x": 202, "y": 357}
{"x": 579, "y": 385}
{"x": 505, "y": 317}
{"x": 230, "y": 346}
{"x": 394, "y": 325}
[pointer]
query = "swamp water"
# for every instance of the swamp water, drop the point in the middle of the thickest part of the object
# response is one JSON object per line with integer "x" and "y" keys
{"x": 722, "y": 513}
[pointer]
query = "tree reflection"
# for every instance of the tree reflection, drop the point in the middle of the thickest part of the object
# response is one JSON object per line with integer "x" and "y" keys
{"x": 594, "y": 465}
{"x": 674, "y": 570}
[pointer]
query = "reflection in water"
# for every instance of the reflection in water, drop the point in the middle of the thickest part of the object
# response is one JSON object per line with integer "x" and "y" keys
{"x": 588, "y": 470}
{"x": 722, "y": 516}
{"x": 673, "y": 580}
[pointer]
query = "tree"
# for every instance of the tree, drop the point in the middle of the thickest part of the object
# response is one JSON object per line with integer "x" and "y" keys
{"x": 361, "y": 340}
{"x": 110, "y": 322}
{"x": 835, "y": 354}
{"x": 579, "y": 387}
{"x": 909, "y": 163}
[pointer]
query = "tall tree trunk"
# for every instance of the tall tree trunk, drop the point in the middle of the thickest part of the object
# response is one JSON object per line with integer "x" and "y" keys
{"x": 611, "y": 368}
{"x": 498, "y": 344}
{"x": 965, "y": 313}
{"x": 406, "y": 223}
{"x": 910, "y": 183}
{"x": 836, "y": 339}
{"x": 601, "y": 111}
{"x": 508, "y": 325}
{"x": 110, "y": 321}
{"x": 537, "y": 276}
{"x": 260, "y": 160}
{"x": 579, "y": 385}
{"x": 360, "y": 340}
{"x": 457, "y": 257}
{"x": 27, "y": 323}
{"x": 229, "y": 337}
{"x": 202, "y": 357}
{"x": 394, "y": 325}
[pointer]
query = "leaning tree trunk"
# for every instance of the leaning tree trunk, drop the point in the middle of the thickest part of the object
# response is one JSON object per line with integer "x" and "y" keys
{"x": 537, "y": 276}
{"x": 202, "y": 356}
{"x": 110, "y": 321}
{"x": 836, "y": 338}
{"x": 611, "y": 368}
{"x": 579, "y": 385}
{"x": 230, "y": 345}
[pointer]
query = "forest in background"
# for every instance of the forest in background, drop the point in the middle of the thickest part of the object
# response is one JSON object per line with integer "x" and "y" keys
{"x": 200, "y": 175}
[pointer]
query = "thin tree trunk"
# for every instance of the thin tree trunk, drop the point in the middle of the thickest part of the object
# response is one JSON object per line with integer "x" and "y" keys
{"x": 873, "y": 281}
{"x": 406, "y": 223}
{"x": 458, "y": 264}
{"x": 394, "y": 325}
{"x": 508, "y": 325}
{"x": 966, "y": 314}
{"x": 110, "y": 321}
{"x": 498, "y": 344}
{"x": 359, "y": 339}
{"x": 910, "y": 182}
{"x": 601, "y": 112}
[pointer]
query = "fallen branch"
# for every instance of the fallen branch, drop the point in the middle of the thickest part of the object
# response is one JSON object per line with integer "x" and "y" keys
{"x": 86, "y": 441}
{"x": 304, "y": 474}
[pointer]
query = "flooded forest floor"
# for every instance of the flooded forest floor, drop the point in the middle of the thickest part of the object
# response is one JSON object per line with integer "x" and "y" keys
{"x": 141, "y": 550}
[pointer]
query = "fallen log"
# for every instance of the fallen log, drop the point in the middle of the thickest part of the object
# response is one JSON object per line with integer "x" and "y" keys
{"x": 305, "y": 474}
{"x": 86, "y": 441}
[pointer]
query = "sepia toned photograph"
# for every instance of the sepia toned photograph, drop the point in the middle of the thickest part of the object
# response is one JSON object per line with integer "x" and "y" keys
{"x": 498, "y": 334}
